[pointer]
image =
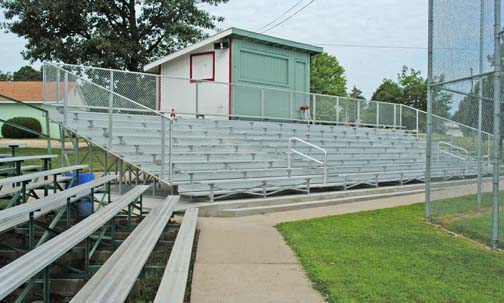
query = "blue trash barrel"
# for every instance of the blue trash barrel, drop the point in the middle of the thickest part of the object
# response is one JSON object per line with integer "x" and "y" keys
{"x": 85, "y": 204}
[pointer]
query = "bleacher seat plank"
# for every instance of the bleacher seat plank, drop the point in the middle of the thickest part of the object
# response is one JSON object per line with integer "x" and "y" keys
{"x": 12, "y": 216}
{"x": 114, "y": 280}
{"x": 174, "y": 281}
{"x": 41, "y": 174}
{"x": 25, "y": 267}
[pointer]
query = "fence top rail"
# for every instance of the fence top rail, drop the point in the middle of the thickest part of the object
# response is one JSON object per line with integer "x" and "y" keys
{"x": 112, "y": 92}
{"x": 62, "y": 65}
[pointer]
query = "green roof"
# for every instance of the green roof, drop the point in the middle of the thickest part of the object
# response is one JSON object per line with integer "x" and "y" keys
{"x": 312, "y": 49}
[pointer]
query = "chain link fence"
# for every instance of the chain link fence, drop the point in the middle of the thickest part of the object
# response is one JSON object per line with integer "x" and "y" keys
{"x": 462, "y": 89}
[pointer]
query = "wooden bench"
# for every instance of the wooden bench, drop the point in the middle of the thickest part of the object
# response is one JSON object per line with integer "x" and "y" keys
{"x": 114, "y": 280}
{"x": 19, "y": 271}
{"x": 173, "y": 285}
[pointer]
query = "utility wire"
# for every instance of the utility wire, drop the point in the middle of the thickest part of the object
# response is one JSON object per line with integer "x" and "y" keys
{"x": 289, "y": 17}
{"x": 278, "y": 18}
{"x": 394, "y": 47}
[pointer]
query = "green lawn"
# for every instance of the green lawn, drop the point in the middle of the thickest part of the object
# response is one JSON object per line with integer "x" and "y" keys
{"x": 392, "y": 255}
{"x": 460, "y": 215}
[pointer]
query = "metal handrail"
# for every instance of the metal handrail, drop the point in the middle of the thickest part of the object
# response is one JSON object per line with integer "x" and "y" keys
{"x": 111, "y": 110}
{"x": 292, "y": 150}
{"x": 465, "y": 151}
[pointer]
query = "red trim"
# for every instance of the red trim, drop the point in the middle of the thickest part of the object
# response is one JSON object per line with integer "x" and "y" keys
{"x": 159, "y": 90}
{"x": 191, "y": 66}
{"x": 230, "y": 76}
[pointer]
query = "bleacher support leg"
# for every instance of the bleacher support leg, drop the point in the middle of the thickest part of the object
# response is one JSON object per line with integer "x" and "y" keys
{"x": 86, "y": 256}
{"x": 106, "y": 168}
{"x": 47, "y": 293}
{"x": 68, "y": 213}
{"x": 31, "y": 232}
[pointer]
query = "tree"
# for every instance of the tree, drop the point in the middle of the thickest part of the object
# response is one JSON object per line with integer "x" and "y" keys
{"x": 356, "y": 93}
{"x": 414, "y": 88}
{"x": 327, "y": 76}
{"x": 5, "y": 76}
{"x": 411, "y": 90}
{"x": 108, "y": 33}
{"x": 388, "y": 91}
{"x": 27, "y": 73}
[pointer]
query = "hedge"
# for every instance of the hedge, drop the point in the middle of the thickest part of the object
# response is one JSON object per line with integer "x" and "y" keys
{"x": 10, "y": 131}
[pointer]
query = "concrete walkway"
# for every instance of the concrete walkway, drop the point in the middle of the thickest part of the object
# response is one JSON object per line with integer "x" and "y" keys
{"x": 246, "y": 260}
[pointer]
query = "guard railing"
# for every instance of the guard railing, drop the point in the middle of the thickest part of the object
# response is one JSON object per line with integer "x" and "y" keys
{"x": 292, "y": 150}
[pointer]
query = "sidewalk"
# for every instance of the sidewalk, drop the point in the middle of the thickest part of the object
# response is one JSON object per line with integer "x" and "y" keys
{"x": 246, "y": 260}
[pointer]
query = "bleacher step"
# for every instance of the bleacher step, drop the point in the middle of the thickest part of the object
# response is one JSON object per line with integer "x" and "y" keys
{"x": 260, "y": 210}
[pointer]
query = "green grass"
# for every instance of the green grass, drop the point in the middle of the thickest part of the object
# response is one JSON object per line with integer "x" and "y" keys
{"x": 460, "y": 215}
{"x": 392, "y": 255}
{"x": 98, "y": 155}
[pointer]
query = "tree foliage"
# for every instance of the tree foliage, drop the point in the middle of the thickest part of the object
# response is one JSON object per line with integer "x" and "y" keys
{"x": 356, "y": 94}
{"x": 411, "y": 89}
{"x": 388, "y": 91}
{"x": 5, "y": 76}
{"x": 108, "y": 33}
{"x": 27, "y": 73}
{"x": 327, "y": 76}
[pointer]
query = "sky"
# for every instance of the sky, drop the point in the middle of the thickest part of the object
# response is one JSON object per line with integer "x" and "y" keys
{"x": 395, "y": 23}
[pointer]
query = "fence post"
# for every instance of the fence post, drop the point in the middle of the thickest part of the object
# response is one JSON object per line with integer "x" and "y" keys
{"x": 157, "y": 101}
{"x": 314, "y": 115}
{"x": 44, "y": 83}
{"x": 358, "y": 111}
{"x": 400, "y": 116}
{"x": 377, "y": 114}
{"x": 163, "y": 147}
{"x": 291, "y": 105}
{"x": 337, "y": 108}
{"x": 58, "y": 80}
{"x": 417, "y": 124}
{"x": 170, "y": 142}
{"x": 197, "y": 98}
{"x": 110, "y": 111}
{"x": 262, "y": 102}
{"x": 496, "y": 123}
{"x": 395, "y": 115}
{"x": 65, "y": 100}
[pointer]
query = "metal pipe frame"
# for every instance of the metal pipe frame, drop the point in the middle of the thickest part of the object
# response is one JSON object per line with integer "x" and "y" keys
{"x": 292, "y": 150}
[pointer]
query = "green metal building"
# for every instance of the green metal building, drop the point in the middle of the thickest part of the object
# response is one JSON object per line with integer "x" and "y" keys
{"x": 239, "y": 74}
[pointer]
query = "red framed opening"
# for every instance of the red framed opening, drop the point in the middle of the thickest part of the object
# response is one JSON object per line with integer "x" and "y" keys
{"x": 193, "y": 72}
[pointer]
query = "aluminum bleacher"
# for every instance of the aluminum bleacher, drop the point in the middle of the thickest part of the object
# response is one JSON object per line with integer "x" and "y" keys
{"x": 219, "y": 158}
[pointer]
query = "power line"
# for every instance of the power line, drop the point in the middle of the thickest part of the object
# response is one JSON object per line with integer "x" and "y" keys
{"x": 395, "y": 47}
{"x": 371, "y": 46}
{"x": 289, "y": 17}
{"x": 283, "y": 14}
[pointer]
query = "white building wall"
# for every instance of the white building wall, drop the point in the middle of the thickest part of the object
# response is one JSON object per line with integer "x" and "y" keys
{"x": 180, "y": 94}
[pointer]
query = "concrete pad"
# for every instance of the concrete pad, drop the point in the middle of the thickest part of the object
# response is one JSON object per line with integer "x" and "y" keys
{"x": 246, "y": 259}
{"x": 252, "y": 283}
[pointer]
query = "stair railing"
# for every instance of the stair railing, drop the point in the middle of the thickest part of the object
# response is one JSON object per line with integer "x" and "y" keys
{"x": 292, "y": 150}
{"x": 110, "y": 109}
{"x": 450, "y": 153}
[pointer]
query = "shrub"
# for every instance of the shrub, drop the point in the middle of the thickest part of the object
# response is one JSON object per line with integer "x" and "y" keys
{"x": 11, "y": 131}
